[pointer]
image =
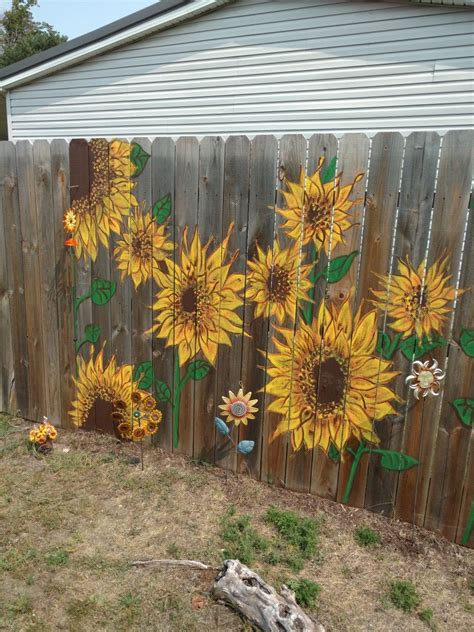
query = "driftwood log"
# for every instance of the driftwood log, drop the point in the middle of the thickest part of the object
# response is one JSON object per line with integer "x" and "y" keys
{"x": 256, "y": 600}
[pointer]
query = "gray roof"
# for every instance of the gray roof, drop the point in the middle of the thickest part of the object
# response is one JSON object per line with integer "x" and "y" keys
{"x": 159, "y": 8}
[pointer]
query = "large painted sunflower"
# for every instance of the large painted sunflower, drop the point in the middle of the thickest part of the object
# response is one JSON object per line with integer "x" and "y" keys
{"x": 417, "y": 307}
{"x": 195, "y": 307}
{"x": 107, "y": 398}
{"x": 109, "y": 197}
{"x": 319, "y": 208}
{"x": 332, "y": 390}
{"x": 276, "y": 280}
{"x": 142, "y": 246}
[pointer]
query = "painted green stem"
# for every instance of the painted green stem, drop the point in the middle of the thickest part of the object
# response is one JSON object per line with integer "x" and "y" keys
{"x": 355, "y": 464}
{"x": 313, "y": 278}
{"x": 469, "y": 527}
{"x": 179, "y": 384}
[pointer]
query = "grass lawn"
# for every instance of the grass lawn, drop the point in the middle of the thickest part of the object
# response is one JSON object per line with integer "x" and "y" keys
{"x": 72, "y": 522}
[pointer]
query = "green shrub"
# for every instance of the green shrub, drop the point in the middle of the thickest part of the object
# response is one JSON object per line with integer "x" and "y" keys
{"x": 306, "y": 592}
{"x": 243, "y": 541}
{"x": 403, "y": 595}
{"x": 365, "y": 536}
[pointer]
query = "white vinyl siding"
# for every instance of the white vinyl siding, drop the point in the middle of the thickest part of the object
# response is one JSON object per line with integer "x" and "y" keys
{"x": 256, "y": 66}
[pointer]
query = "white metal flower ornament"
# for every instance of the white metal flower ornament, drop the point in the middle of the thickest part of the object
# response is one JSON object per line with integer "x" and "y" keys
{"x": 425, "y": 379}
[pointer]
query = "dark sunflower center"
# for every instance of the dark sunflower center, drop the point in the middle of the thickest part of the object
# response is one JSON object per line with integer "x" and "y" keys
{"x": 416, "y": 302}
{"x": 318, "y": 212}
{"x": 142, "y": 245}
{"x": 329, "y": 381}
{"x": 278, "y": 284}
{"x": 100, "y": 416}
{"x": 189, "y": 300}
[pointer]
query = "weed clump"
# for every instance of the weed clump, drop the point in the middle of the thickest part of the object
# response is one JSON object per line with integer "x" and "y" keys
{"x": 306, "y": 592}
{"x": 243, "y": 541}
{"x": 298, "y": 531}
{"x": 365, "y": 536}
{"x": 404, "y": 595}
{"x": 427, "y": 617}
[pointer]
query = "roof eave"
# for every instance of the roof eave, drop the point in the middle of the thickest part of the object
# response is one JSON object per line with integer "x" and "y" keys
{"x": 101, "y": 44}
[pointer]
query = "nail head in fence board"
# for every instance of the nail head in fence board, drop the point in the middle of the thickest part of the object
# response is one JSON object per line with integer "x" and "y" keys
{"x": 298, "y": 469}
{"x": 47, "y": 271}
{"x": 411, "y": 239}
{"x": 120, "y": 342}
{"x": 292, "y": 157}
{"x": 235, "y": 209}
{"x": 64, "y": 276}
{"x": 186, "y": 208}
{"x": 163, "y": 171}
{"x": 14, "y": 262}
{"x": 141, "y": 302}
{"x": 79, "y": 157}
{"x": 447, "y": 233}
{"x": 381, "y": 207}
{"x": 352, "y": 159}
{"x": 32, "y": 279}
{"x": 261, "y": 219}
{"x": 211, "y": 193}
{"x": 452, "y": 444}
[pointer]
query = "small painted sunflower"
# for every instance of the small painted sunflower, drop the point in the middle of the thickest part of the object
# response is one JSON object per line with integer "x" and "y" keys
{"x": 70, "y": 221}
{"x": 151, "y": 427}
{"x": 138, "y": 433}
{"x": 417, "y": 307}
{"x": 276, "y": 280}
{"x": 238, "y": 408}
{"x": 195, "y": 307}
{"x": 321, "y": 209}
{"x": 425, "y": 379}
{"x": 328, "y": 392}
{"x": 125, "y": 430}
{"x": 142, "y": 247}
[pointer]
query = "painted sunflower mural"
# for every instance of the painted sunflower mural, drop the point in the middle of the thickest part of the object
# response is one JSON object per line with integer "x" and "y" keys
{"x": 320, "y": 206}
{"x": 328, "y": 382}
{"x": 143, "y": 245}
{"x": 99, "y": 211}
{"x": 276, "y": 280}
{"x": 417, "y": 307}
{"x": 198, "y": 297}
{"x": 107, "y": 398}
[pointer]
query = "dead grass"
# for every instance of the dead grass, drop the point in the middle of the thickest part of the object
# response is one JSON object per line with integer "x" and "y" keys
{"x": 72, "y": 522}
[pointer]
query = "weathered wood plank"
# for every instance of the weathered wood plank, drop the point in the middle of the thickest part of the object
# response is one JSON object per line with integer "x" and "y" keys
{"x": 261, "y": 220}
{"x": 47, "y": 270}
{"x": 162, "y": 174}
{"x": 379, "y": 221}
{"x": 7, "y": 372}
{"x": 64, "y": 269}
{"x": 424, "y": 427}
{"x": 211, "y": 194}
{"x": 32, "y": 280}
{"x": 235, "y": 209}
{"x": 186, "y": 216}
{"x": 292, "y": 158}
{"x": 411, "y": 240}
{"x": 15, "y": 275}
{"x": 451, "y": 450}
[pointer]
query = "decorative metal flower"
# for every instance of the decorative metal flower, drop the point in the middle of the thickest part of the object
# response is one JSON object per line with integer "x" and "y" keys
{"x": 425, "y": 379}
{"x": 238, "y": 408}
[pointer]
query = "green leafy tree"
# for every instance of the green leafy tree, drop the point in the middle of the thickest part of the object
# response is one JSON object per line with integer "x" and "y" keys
{"x": 21, "y": 36}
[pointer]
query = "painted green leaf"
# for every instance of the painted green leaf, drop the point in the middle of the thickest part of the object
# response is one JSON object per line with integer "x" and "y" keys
{"x": 466, "y": 340}
{"x": 386, "y": 347}
{"x": 198, "y": 369}
{"x": 464, "y": 407}
{"x": 329, "y": 173}
{"x": 143, "y": 374}
{"x": 139, "y": 157}
{"x": 396, "y": 460}
{"x": 102, "y": 291}
{"x": 162, "y": 209}
{"x": 413, "y": 349}
{"x": 339, "y": 267}
{"x": 162, "y": 391}
{"x": 334, "y": 453}
{"x": 91, "y": 333}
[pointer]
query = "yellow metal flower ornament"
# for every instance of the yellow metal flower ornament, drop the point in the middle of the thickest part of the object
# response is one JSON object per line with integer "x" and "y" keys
{"x": 425, "y": 379}
{"x": 238, "y": 408}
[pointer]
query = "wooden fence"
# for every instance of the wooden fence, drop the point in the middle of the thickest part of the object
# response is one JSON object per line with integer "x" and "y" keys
{"x": 141, "y": 282}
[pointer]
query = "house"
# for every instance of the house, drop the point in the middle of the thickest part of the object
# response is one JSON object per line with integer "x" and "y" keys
{"x": 199, "y": 67}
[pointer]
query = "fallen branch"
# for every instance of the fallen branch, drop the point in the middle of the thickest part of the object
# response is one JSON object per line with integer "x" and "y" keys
{"x": 257, "y": 601}
{"x": 188, "y": 563}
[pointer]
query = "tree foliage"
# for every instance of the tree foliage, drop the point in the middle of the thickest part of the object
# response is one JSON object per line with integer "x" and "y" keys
{"x": 22, "y": 36}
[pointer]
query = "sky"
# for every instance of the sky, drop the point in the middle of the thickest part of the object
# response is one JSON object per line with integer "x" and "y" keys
{"x": 76, "y": 17}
